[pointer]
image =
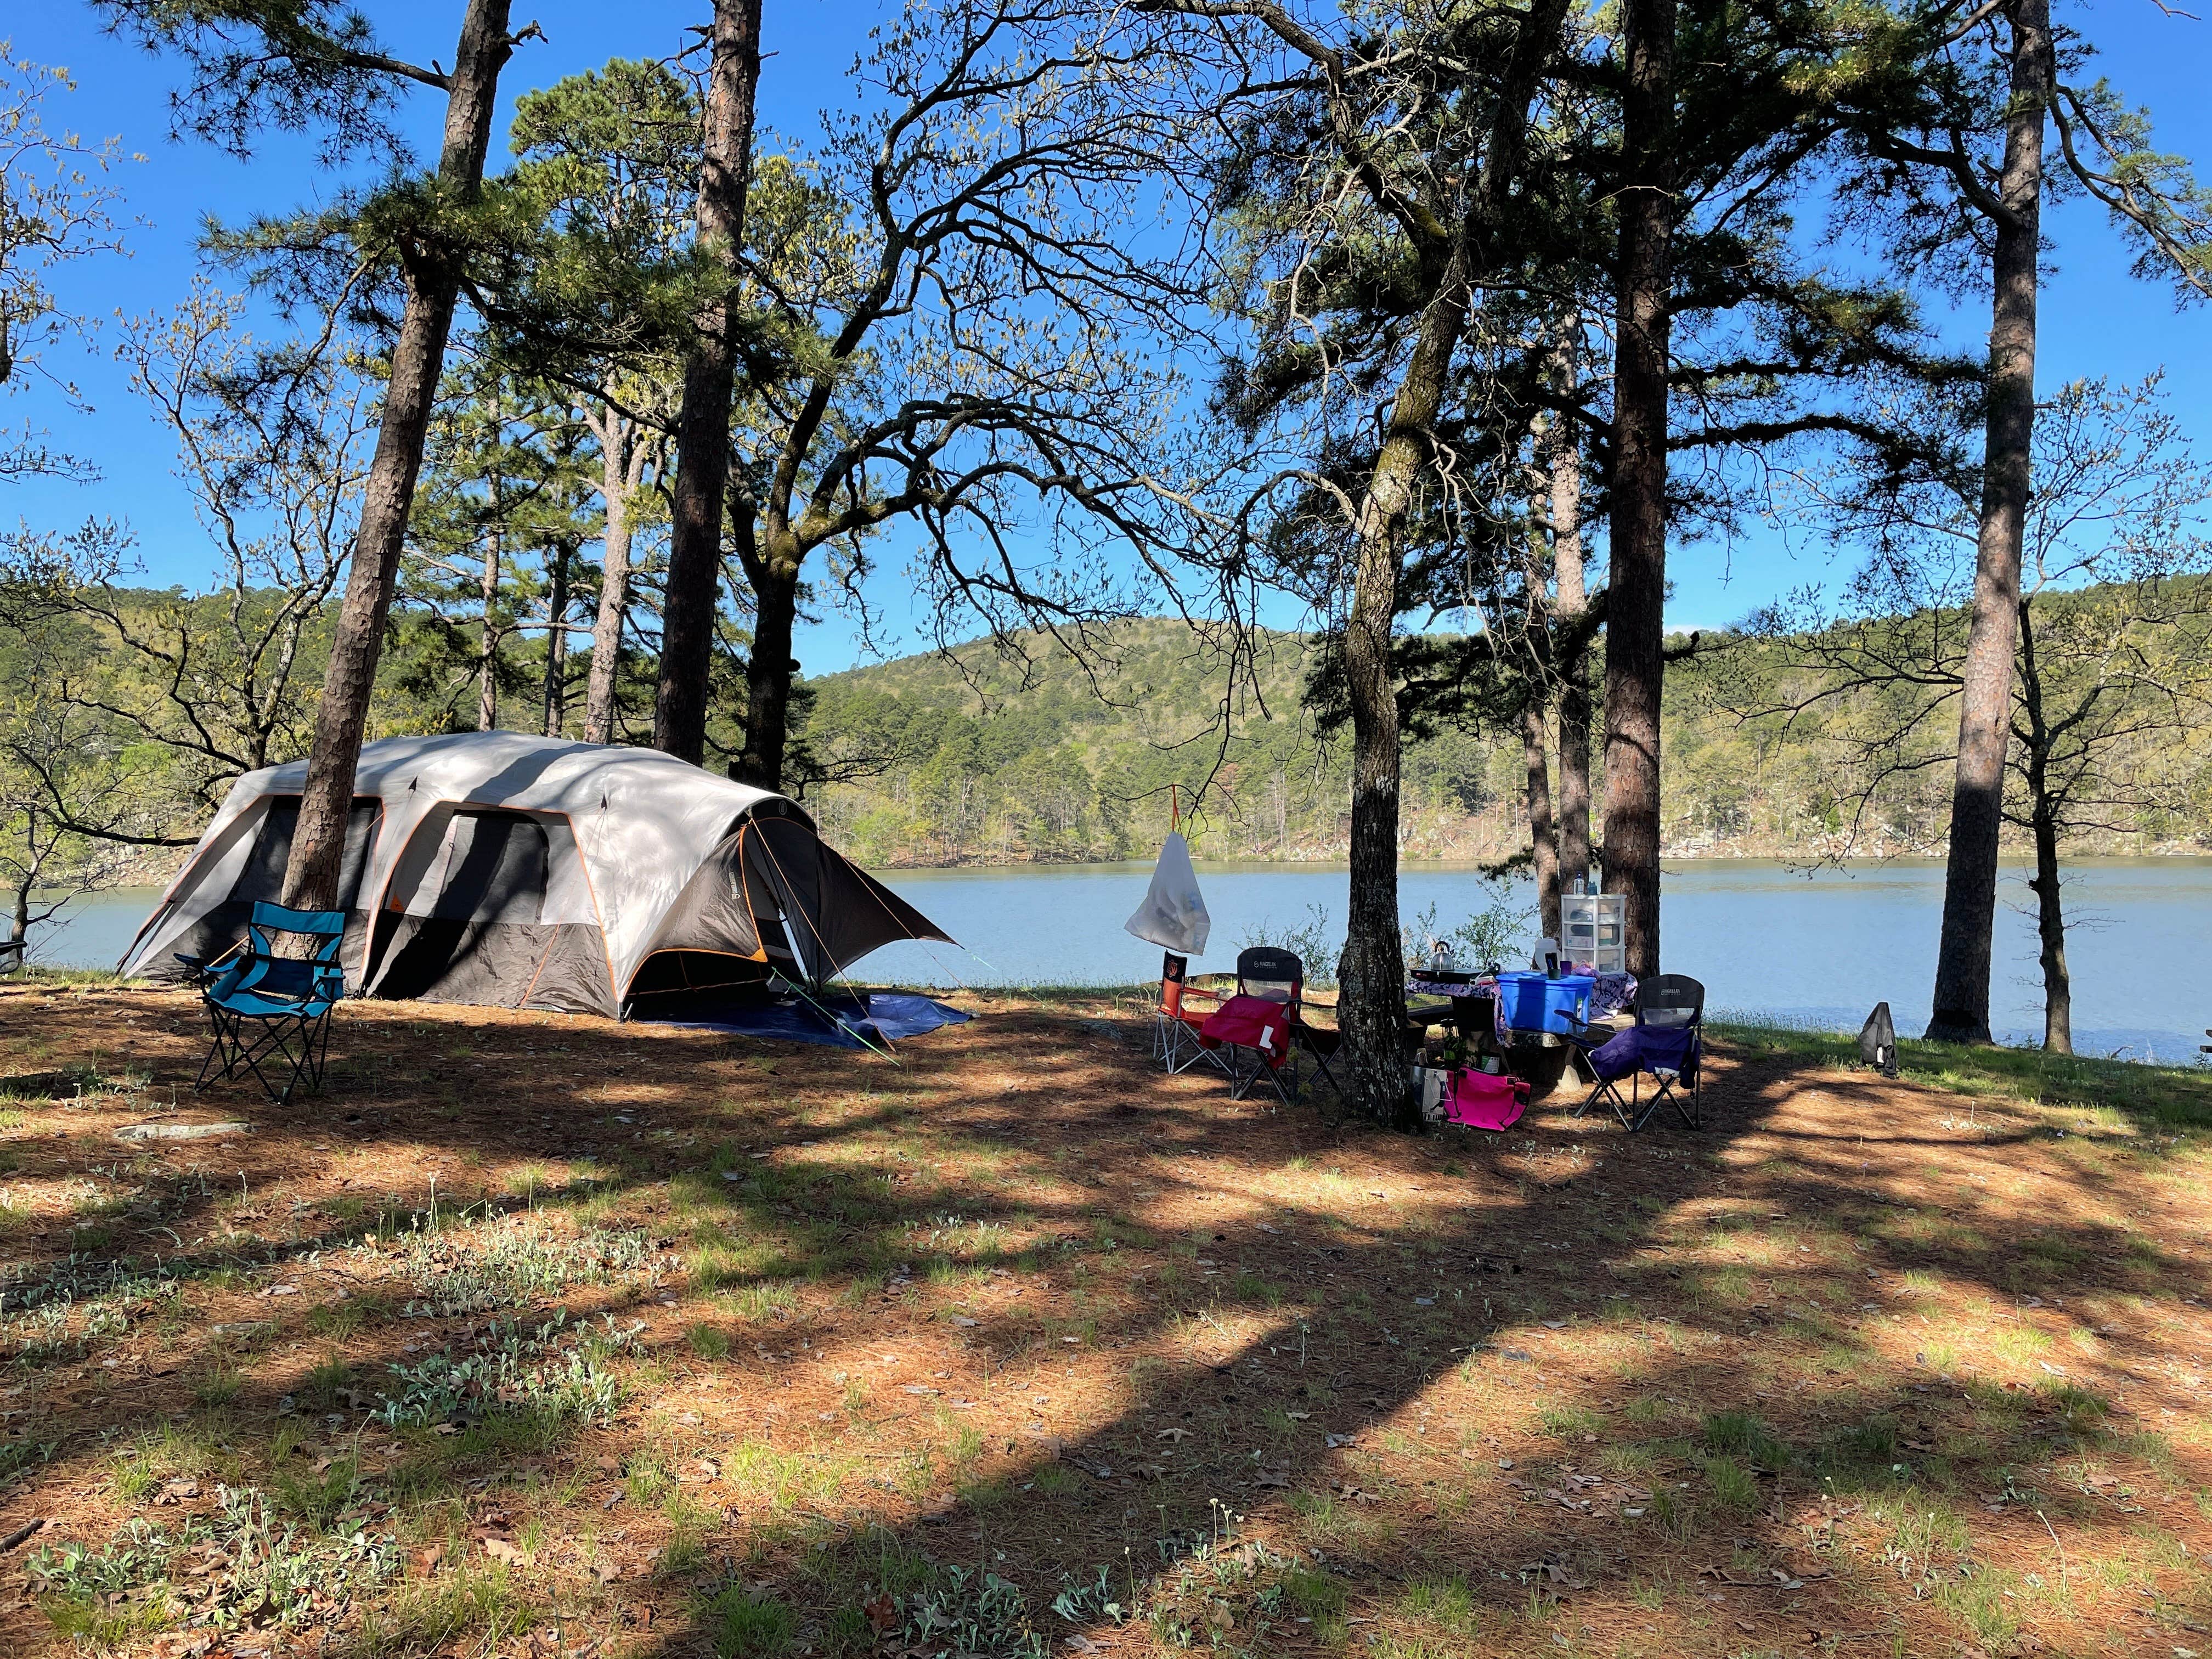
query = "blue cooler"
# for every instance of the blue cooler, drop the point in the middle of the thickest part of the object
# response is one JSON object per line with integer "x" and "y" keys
{"x": 1534, "y": 1003}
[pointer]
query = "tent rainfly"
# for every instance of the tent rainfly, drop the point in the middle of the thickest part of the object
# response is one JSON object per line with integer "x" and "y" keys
{"x": 509, "y": 871}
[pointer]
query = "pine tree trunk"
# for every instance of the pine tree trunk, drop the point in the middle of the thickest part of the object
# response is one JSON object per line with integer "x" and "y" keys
{"x": 557, "y": 647}
{"x": 2043, "y": 808}
{"x": 768, "y": 670}
{"x": 1535, "y": 709}
{"x": 2050, "y": 929}
{"x": 702, "y": 432}
{"x": 433, "y": 283}
{"x": 620, "y": 463}
{"x": 1542, "y": 832}
{"x": 1635, "y": 623}
{"x": 1969, "y": 880}
{"x": 1372, "y": 974}
{"x": 488, "y": 661}
{"x": 1569, "y": 607}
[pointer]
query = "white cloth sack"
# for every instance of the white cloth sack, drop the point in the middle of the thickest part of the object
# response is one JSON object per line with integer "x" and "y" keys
{"x": 1173, "y": 915}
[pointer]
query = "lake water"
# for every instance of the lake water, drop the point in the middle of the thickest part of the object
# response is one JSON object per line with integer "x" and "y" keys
{"x": 1770, "y": 943}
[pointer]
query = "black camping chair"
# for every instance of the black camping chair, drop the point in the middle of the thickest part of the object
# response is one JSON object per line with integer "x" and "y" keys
{"x": 1667, "y": 1044}
{"x": 271, "y": 1010}
{"x": 1323, "y": 1043}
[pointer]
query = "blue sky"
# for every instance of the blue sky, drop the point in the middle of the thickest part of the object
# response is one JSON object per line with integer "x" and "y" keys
{"x": 2096, "y": 318}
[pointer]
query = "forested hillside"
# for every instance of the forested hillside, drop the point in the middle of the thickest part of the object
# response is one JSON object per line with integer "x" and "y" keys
{"x": 966, "y": 764}
{"x": 981, "y": 759}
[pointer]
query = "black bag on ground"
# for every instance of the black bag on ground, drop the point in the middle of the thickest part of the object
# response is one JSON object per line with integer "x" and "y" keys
{"x": 1878, "y": 1041}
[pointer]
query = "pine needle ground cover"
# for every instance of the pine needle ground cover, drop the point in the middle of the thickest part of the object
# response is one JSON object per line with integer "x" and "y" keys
{"x": 537, "y": 1335}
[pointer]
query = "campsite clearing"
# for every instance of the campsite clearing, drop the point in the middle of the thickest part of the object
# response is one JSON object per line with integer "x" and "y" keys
{"x": 1017, "y": 1346}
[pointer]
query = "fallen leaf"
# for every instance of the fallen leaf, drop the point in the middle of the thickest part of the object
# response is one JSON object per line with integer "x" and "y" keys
{"x": 501, "y": 1549}
{"x": 1177, "y": 1435}
{"x": 882, "y": 1612}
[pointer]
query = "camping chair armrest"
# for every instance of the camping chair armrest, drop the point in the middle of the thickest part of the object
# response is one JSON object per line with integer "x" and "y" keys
{"x": 1588, "y": 1034}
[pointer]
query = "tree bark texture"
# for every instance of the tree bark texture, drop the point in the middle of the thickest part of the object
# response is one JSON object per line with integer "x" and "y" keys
{"x": 775, "y": 582}
{"x": 310, "y": 876}
{"x": 622, "y": 471}
{"x": 1635, "y": 620}
{"x": 702, "y": 432}
{"x": 1568, "y": 605}
{"x": 1970, "y": 877}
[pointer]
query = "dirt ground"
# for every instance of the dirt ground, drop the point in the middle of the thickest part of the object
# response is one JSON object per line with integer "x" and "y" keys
{"x": 1015, "y": 1346}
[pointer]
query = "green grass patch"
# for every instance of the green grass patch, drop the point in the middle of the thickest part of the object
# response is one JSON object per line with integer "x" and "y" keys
{"x": 2167, "y": 1096}
{"x": 1742, "y": 1435}
{"x": 743, "y": 1625}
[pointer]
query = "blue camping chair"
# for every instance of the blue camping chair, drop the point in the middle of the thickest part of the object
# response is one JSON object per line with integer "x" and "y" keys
{"x": 276, "y": 1011}
{"x": 1667, "y": 1044}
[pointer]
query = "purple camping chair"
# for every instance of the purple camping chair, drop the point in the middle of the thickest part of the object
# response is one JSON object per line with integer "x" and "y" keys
{"x": 1666, "y": 1044}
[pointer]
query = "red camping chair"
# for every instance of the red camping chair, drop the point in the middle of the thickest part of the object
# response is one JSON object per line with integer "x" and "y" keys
{"x": 1175, "y": 1044}
{"x": 1261, "y": 1021}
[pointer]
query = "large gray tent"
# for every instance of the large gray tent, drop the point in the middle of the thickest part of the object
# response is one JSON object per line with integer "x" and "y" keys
{"x": 516, "y": 872}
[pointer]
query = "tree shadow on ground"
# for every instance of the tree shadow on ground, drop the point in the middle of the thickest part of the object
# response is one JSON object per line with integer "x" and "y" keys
{"x": 1842, "y": 1367}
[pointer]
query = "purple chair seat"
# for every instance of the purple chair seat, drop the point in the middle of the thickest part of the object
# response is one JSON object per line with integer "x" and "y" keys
{"x": 1654, "y": 1048}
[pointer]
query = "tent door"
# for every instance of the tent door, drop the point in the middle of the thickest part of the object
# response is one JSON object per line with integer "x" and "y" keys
{"x": 482, "y": 937}
{"x": 780, "y": 911}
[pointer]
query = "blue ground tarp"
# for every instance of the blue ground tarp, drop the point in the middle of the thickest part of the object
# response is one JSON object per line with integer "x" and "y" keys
{"x": 843, "y": 1020}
